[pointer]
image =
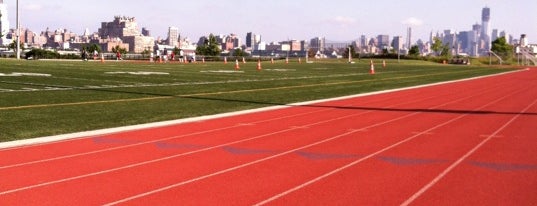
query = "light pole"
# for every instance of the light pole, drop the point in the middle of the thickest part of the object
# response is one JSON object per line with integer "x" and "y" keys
{"x": 18, "y": 33}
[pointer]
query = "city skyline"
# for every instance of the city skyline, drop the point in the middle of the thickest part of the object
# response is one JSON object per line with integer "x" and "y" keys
{"x": 281, "y": 20}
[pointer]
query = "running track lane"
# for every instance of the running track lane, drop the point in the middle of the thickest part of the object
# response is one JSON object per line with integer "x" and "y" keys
{"x": 304, "y": 149}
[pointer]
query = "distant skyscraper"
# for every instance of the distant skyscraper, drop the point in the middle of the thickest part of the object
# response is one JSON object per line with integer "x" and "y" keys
{"x": 4, "y": 24}
{"x": 397, "y": 43}
{"x": 494, "y": 35}
{"x": 250, "y": 39}
{"x": 383, "y": 41}
{"x": 485, "y": 27}
{"x": 173, "y": 36}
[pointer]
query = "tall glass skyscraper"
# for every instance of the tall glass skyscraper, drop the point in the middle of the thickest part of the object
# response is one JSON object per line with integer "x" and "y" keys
{"x": 485, "y": 28}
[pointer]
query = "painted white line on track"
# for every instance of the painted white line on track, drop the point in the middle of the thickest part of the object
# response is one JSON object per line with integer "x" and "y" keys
{"x": 277, "y": 196}
{"x": 464, "y": 157}
{"x": 169, "y": 157}
{"x": 191, "y": 152}
{"x": 158, "y": 140}
{"x": 349, "y": 132}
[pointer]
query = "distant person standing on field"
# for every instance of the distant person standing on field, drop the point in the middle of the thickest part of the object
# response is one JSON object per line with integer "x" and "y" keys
{"x": 118, "y": 56}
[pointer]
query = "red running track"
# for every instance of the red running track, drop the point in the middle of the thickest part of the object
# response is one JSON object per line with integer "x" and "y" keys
{"x": 463, "y": 143}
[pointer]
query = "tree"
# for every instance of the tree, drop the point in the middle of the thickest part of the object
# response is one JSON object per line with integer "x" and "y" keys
{"x": 13, "y": 45}
{"x": 210, "y": 47}
{"x": 239, "y": 52}
{"x": 502, "y": 48}
{"x": 312, "y": 52}
{"x": 414, "y": 51}
{"x": 437, "y": 46}
{"x": 446, "y": 52}
{"x": 117, "y": 48}
{"x": 177, "y": 51}
{"x": 91, "y": 48}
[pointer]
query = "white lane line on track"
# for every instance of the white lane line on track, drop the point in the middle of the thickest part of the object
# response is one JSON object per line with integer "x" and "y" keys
{"x": 349, "y": 132}
{"x": 157, "y": 140}
{"x": 257, "y": 161}
{"x": 277, "y": 196}
{"x": 184, "y": 135}
{"x": 171, "y": 157}
{"x": 184, "y": 154}
{"x": 458, "y": 162}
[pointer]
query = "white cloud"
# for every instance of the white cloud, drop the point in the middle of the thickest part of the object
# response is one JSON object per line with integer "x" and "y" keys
{"x": 412, "y": 21}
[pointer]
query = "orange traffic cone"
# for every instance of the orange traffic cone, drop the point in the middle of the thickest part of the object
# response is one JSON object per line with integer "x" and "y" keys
{"x": 237, "y": 64}
{"x": 287, "y": 60}
{"x": 372, "y": 68}
{"x": 225, "y": 60}
{"x": 259, "y": 65}
{"x": 383, "y": 63}
{"x": 102, "y": 58}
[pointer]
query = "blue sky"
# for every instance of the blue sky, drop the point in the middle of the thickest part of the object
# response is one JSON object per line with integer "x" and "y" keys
{"x": 276, "y": 20}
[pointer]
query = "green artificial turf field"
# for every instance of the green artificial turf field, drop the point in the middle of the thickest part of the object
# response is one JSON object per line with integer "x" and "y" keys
{"x": 43, "y": 98}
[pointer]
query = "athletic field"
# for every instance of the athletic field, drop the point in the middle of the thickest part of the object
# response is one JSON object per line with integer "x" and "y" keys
{"x": 44, "y": 98}
{"x": 469, "y": 142}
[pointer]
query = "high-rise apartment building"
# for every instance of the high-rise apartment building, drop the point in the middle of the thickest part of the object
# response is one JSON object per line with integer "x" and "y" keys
{"x": 4, "y": 24}
{"x": 173, "y": 36}
{"x": 126, "y": 29}
{"x": 317, "y": 44}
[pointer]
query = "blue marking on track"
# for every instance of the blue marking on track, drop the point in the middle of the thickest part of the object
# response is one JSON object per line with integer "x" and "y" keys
{"x": 409, "y": 161}
{"x": 108, "y": 140}
{"x": 246, "y": 151}
{"x": 321, "y": 156}
{"x": 165, "y": 145}
{"x": 503, "y": 166}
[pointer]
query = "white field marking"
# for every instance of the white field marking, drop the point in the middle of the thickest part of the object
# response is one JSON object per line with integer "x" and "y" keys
{"x": 280, "y": 70}
{"x": 456, "y": 163}
{"x": 275, "y": 197}
{"x": 222, "y": 71}
{"x": 141, "y": 85}
{"x": 140, "y": 73}
{"x": 349, "y": 132}
{"x": 20, "y": 74}
{"x": 56, "y": 138}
